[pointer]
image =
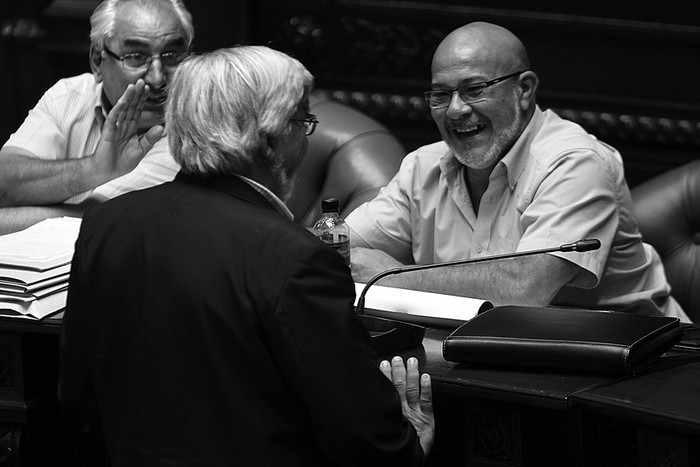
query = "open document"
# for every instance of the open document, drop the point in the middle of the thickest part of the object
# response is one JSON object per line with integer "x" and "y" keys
{"x": 424, "y": 308}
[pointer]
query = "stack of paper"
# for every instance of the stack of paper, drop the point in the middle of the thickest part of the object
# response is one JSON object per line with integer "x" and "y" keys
{"x": 35, "y": 266}
{"x": 424, "y": 308}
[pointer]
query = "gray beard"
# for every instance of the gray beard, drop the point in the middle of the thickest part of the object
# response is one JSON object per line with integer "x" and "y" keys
{"x": 494, "y": 153}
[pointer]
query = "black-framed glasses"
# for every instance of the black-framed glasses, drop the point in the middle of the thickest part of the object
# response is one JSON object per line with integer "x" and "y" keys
{"x": 139, "y": 62}
{"x": 469, "y": 93}
{"x": 310, "y": 122}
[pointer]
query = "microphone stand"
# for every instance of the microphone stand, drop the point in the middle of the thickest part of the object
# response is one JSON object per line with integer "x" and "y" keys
{"x": 580, "y": 246}
{"x": 391, "y": 335}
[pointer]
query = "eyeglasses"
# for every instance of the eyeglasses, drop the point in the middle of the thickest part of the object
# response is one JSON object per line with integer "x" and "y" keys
{"x": 469, "y": 93}
{"x": 309, "y": 121}
{"x": 138, "y": 61}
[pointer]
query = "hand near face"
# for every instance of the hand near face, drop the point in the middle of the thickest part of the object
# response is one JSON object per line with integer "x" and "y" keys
{"x": 120, "y": 148}
{"x": 416, "y": 396}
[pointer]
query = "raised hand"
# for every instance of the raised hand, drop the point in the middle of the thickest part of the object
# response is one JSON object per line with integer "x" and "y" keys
{"x": 121, "y": 148}
{"x": 416, "y": 396}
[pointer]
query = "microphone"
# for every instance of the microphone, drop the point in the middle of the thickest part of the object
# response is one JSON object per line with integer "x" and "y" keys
{"x": 579, "y": 246}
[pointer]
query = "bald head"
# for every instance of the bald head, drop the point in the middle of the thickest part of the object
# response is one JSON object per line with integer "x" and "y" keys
{"x": 483, "y": 93}
{"x": 484, "y": 46}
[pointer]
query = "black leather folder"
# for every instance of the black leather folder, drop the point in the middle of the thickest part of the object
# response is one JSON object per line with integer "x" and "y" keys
{"x": 572, "y": 340}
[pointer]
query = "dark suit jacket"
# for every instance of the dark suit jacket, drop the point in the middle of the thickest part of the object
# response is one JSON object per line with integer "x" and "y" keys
{"x": 209, "y": 330}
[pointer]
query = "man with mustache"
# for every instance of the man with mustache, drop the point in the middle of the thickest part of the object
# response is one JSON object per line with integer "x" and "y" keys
{"x": 64, "y": 157}
{"x": 508, "y": 177}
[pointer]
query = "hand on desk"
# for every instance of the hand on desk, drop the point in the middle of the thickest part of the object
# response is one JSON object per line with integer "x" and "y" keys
{"x": 416, "y": 397}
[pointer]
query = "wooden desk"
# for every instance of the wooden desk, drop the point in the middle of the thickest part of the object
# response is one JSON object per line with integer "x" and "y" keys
{"x": 655, "y": 419}
{"x": 501, "y": 418}
{"x": 511, "y": 418}
{"x": 484, "y": 417}
{"x": 30, "y": 430}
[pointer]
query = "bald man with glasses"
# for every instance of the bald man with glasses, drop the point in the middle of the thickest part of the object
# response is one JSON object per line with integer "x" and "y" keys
{"x": 507, "y": 177}
{"x": 98, "y": 135}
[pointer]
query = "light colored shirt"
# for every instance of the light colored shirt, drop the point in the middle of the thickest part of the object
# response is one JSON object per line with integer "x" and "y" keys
{"x": 556, "y": 185}
{"x": 63, "y": 125}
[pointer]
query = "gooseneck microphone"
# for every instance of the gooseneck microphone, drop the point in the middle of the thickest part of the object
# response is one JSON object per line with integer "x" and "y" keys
{"x": 579, "y": 246}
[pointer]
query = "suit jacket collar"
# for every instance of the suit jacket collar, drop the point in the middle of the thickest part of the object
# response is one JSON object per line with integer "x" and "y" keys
{"x": 231, "y": 185}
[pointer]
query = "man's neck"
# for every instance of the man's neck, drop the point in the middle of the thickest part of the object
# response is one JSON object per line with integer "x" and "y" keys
{"x": 477, "y": 184}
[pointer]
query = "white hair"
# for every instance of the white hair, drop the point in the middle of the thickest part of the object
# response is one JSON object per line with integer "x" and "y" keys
{"x": 104, "y": 16}
{"x": 228, "y": 110}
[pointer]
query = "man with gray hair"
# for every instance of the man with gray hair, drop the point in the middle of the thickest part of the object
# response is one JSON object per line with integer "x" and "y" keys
{"x": 211, "y": 329}
{"x": 68, "y": 153}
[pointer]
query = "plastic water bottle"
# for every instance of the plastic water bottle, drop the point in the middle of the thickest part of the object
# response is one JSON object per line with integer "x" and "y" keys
{"x": 332, "y": 229}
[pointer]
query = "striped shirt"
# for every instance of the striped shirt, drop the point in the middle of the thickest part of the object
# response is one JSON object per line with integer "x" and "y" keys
{"x": 63, "y": 125}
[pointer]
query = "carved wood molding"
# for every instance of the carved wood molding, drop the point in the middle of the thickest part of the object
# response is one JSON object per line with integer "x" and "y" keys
{"x": 493, "y": 435}
{"x": 634, "y": 129}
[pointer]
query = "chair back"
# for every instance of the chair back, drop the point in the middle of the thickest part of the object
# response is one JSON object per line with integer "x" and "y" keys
{"x": 667, "y": 208}
{"x": 350, "y": 157}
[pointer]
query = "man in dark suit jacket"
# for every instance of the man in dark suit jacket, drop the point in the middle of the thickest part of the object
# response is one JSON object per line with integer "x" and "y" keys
{"x": 204, "y": 327}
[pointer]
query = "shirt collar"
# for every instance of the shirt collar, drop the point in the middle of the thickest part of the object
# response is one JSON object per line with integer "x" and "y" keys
{"x": 449, "y": 165}
{"x": 276, "y": 203}
{"x": 101, "y": 105}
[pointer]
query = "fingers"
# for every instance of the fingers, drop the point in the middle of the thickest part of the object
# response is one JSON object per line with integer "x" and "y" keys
{"x": 416, "y": 394}
{"x": 396, "y": 373}
{"x": 126, "y": 113}
{"x": 131, "y": 97}
{"x": 398, "y": 377}
{"x": 412, "y": 381}
{"x": 150, "y": 138}
{"x": 134, "y": 101}
{"x": 426, "y": 394}
{"x": 385, "y": 368}
{"x": 407, "y": 380}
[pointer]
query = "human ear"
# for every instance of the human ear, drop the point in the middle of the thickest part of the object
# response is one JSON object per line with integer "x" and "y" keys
{"x": 528, "y": 83}
{"x": 95, "y": 63}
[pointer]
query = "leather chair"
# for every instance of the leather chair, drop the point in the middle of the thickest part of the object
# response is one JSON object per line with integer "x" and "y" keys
{"x": 350, "y": 157}
{"x": 667, "y": 208}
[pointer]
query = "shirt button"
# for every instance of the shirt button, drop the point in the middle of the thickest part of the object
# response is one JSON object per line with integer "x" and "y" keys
{"x": 478, "y": 248}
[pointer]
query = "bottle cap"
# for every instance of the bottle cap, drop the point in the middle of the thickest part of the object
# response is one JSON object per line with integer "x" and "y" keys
{"x": 329, "y": 205}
